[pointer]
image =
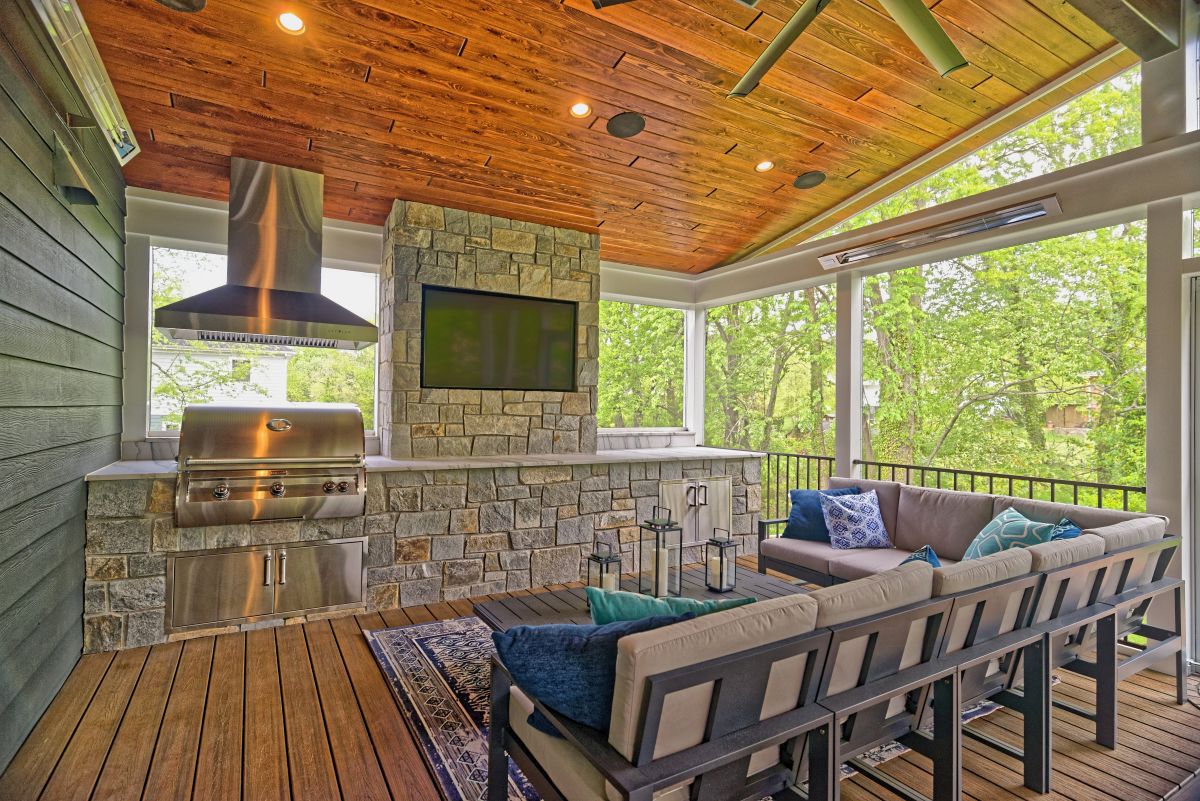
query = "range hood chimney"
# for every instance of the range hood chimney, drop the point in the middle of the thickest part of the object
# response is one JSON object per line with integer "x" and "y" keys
{"x": 273, "y": 290}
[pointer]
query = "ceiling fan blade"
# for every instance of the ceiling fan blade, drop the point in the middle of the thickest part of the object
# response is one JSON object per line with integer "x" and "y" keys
{"x": 778, "y": 46}
{"x": 918, "y": 24}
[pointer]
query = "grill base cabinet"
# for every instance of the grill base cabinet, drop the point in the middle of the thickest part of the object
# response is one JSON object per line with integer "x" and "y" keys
{"x": 244, "y": 585}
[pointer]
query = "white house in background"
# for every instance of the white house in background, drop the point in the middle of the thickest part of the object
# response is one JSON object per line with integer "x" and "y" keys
{"x": 239, "y": 376}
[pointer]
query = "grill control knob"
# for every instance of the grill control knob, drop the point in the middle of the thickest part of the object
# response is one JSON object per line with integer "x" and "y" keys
{"x": 277, "y": 489}
{"x": 221, "y": 492}
{"x": 329, "y": 487}
{"x": 343, "y": 486}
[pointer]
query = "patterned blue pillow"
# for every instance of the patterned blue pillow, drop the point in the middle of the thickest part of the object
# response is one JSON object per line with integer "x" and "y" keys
{"x": 854, "y": 521}
{"x": 1067, "y": 529}
{"x": 924, "y": 554}
{"x": 806, "y": 522}
{"x": 1009, "y": 529}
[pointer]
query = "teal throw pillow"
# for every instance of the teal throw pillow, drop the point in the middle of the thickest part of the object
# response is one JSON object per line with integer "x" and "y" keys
{"x": 1009, "y": 529}
{"x": 609, "y": 606}
{"x": 924, "y": 554}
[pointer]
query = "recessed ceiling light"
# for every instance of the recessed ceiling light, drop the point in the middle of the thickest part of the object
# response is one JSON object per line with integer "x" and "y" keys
{"x": 290, "y": 23}
{"x": 764, "y": 166}
{"x": 626, "y": 124}
{"x": 809, "y": 179}
{"x": 580, "y": 110}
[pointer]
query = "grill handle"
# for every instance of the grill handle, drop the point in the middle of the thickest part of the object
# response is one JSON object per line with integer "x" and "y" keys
{"x": 316, "y": 461}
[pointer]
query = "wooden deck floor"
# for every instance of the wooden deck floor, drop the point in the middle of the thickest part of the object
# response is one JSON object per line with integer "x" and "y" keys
{"x": 302, "y": 712}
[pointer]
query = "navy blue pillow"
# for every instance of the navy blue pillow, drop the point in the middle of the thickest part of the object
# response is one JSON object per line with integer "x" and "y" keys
{"x": 570, "y": 668}
{"x": 806, "y": 520}
{"x": 1067, "y": 529}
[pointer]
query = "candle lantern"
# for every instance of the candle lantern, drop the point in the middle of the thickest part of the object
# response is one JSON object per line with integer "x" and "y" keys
{"x": 661, "y": 547}
{"x": 720, "y": 568}
{"x": 604, "y": 568}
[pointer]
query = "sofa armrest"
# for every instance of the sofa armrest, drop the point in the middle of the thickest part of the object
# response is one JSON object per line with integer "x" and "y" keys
{"x": 764, "y": 527}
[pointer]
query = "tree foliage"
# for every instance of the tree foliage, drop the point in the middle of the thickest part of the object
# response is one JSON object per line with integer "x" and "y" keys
{"x": 641, "y": 366}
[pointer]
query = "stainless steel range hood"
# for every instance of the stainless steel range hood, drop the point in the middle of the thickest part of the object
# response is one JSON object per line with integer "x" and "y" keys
{"x": 273, "y": 295}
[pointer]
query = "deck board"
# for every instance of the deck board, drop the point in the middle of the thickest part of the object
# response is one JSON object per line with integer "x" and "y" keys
{"x": 301, "y": 712}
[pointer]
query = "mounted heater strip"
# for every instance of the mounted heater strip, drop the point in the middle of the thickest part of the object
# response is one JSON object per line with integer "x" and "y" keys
{"x": 999, "y": 218}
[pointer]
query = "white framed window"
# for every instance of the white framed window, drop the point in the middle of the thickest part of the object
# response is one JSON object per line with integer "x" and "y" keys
{"x": 202, "y": 372}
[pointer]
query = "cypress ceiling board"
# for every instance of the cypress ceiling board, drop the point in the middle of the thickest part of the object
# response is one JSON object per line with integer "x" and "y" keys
{"x": 465, "y": 103}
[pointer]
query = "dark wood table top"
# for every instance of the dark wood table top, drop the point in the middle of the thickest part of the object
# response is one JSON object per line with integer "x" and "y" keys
{"x": 570, "y": 605}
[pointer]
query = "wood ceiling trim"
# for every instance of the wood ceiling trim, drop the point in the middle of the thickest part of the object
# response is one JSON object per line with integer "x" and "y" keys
{"x": 466, "y": 106}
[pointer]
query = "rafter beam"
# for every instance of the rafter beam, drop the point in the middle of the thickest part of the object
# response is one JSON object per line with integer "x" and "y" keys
{"x": 1150, "y": 28}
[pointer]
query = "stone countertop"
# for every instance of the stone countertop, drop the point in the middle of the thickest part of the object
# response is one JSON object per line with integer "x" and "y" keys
{"x": 133, "y": 469}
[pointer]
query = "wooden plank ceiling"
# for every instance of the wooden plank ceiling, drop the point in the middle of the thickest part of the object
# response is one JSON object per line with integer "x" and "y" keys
{"x": 465, "y": 103}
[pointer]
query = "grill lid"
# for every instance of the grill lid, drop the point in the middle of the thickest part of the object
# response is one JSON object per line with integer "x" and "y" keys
{"x": 220, "y": 435}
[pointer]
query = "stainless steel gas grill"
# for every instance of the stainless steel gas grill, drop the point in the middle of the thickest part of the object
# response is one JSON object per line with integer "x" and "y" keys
{"x": 241, "y": 463}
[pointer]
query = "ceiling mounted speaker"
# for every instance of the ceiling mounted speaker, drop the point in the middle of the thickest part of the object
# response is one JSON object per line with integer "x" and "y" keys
{"x": 626, "y": 124}
{"x": 809, "y": 179}
{"x": 187, "y": 6}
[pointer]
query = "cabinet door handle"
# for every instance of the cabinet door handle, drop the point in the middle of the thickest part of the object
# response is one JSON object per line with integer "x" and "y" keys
{"x": 283, "y": 567}
{"x": 267, "y": 563}
{"x": 703, "y": 493}
{"x": 691, "y": 495}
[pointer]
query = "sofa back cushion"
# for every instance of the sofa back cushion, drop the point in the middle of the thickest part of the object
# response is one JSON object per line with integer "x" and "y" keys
{"x": 946, "y": 519}
{"x": 1060, "y": 553}
{"x": 975, "y": 573}
{"x": 888, "y": 493}
{"x": 873, "y": 595}
{"x": 1128, "y": 533}
{"x": 685, "y": 713}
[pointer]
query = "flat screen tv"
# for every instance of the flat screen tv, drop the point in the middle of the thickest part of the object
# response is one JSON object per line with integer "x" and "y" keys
{"x": 486, "y": 340}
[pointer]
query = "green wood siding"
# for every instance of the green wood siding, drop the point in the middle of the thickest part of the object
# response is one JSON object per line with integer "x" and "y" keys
{"x": 61, "y": 313}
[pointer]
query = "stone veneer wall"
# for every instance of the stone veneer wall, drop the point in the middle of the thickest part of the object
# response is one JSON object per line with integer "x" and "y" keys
{"x": 447, "y": 247}
{"x": 434, "y": 535}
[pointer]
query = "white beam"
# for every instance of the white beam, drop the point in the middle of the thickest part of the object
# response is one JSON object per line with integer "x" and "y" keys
{"x": 135, "y": 378}
{"x": 631, "y": 284}
{"x": 695, "y": 345}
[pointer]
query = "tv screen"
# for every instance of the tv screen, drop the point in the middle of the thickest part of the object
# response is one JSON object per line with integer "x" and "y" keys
{"x": 485, "y": 340}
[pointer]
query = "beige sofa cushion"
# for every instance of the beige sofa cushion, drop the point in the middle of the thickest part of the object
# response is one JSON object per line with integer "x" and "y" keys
{"x": 873, "y": 595}
{"x": 975, "y": 573}
{"x": 945, "y": 519}
{"x": 888, "y": 493}
{"x": 1128, "y": 533}
{"x": 812, "y": 555}
{"x": 1060, "y": 553}
{"x": 861, "y": 562}
{"x": 719, "y": 634}
{"x": 1046, "y": 512}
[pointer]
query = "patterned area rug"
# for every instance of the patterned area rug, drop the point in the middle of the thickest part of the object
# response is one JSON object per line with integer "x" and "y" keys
{"x": 441, "y": 675}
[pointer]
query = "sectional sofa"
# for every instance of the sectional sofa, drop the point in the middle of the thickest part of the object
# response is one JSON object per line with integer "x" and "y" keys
{"x": 947, "y": 520}
{"x": 749, "y": 702}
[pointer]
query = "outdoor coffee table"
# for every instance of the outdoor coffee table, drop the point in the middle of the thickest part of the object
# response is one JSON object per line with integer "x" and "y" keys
{"x": 570, "y": 605}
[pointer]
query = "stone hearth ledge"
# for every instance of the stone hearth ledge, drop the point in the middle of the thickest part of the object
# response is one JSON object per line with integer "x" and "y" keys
{"x": 127, "y": 469}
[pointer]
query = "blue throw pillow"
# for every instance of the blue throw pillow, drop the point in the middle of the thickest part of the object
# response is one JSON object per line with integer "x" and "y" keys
{"x": 1067, "y": 529}
{"x": 854, "y": 521}
{"x": 924, "y": 554}
{"x": 806, "y": 521}
{"x": 570, "y": 668}
{"x": 1009, "y": 529}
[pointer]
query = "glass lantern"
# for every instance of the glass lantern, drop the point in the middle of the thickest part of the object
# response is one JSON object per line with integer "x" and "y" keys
{"x": 720, "y": 564}
{"x": 604, "y": 568}
{"x": 661, "y": 548}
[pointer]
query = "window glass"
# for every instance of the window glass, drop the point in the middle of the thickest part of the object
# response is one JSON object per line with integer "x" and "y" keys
{"x": 641, "y": 366}
{"x": 770, "y": 373}
{"x": 1029, "y": 360}
{"x": 1098, "y": 123}
{"x": 203, "y": 372}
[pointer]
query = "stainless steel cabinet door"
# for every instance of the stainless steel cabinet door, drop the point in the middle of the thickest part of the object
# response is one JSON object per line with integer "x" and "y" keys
{"x": 318, "y": 576}
{"x": 715, "y": 506}
{"x": 210, "y": 588}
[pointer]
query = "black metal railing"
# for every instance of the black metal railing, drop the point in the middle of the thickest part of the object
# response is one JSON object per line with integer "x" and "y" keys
{"x": 1062, "y": 490}
{"x": 789, "y": 471}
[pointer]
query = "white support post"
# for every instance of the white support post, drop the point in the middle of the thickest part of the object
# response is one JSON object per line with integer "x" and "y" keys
{"x": 695, "y": 342}
{"x": 135, "y": 383}
{"x": 849, "y": 371}
{"x": 1169, "y": 108}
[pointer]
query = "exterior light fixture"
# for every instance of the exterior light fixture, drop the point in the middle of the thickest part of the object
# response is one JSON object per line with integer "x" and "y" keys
{"x": 290, "y": 23}
{"x": 580, "y": 110}
{"x": 764, "y": 166}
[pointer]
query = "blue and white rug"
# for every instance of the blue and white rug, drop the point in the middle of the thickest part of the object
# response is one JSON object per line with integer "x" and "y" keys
{"x": 441, "y": 675}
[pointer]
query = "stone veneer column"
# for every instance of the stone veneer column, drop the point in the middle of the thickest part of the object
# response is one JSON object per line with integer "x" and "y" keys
{"x": 448, "y": 247}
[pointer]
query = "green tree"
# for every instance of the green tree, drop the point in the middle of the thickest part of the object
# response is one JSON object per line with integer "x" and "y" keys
{"x": 641, "y": 366}
{"x": 334, "y": 376}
